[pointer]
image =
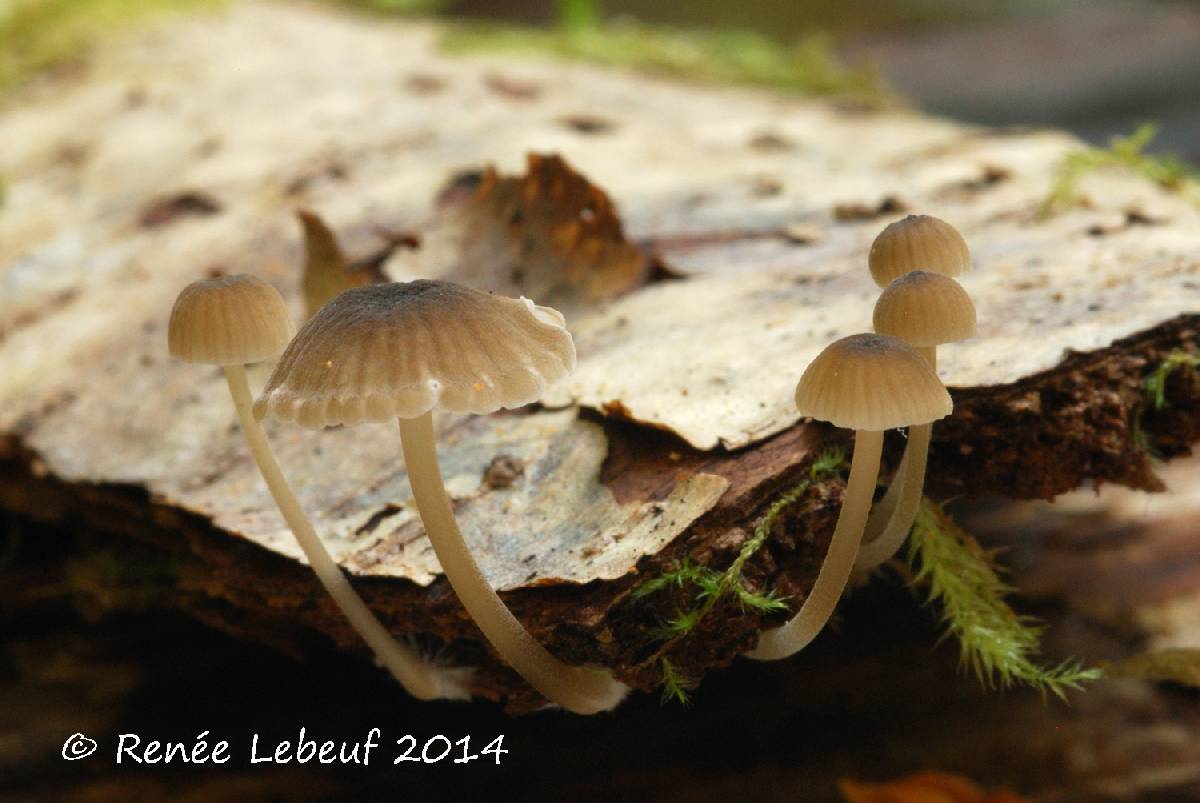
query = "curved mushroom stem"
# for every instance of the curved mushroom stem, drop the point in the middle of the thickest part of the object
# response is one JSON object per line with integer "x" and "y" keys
{"x": 892, "y": 519}
{"x": 839, "y": 560}
{"x": 419, "y": 678}
{"x": 575, "y": 688}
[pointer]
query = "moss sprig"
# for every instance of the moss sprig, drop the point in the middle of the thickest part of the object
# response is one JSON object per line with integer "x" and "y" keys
{"x": 1155, "y": 386}
{"x": 826, "y": 464}
{"x": 1156, "y": 382}
{"x": 711, "y": 586}
{"x": 1169, "y": 172}
{"x": 676, "y": 686}
{"x": 707, "y": 586}
{"x": 998, "y": 644}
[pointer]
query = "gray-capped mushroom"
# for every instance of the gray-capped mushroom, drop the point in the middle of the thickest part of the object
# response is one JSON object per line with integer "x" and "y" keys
{"x": 235, "y": 320}
{"x": 397, "y": 351}
{"x": 869, "y": 383}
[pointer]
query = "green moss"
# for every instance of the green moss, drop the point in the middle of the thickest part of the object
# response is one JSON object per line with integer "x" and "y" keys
{"x": 576, "y": 14}
{"x": 1156, "y": 382}
{"x": 705, "y": 587}
{"x": 810, "y": 66}
{"x": 960, "y": 577}
{"x": 676, "y": 687}
{"x": 1168, "y": 172}
{"x": 1155, "y": 385}
{"x": 38, "y": 34}
{"x": 709, "y": 586}
{"x": 996, "y": 642}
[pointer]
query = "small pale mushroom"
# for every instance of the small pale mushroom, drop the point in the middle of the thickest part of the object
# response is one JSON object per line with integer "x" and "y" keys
{"x": 913, "y": 243}
{"x": 869, "y": 383}
{"x": 235, "y": 320}
{"x": 396, "y": 351}
{"x": 925, "y": 310}
{"x": 917, "y": 242}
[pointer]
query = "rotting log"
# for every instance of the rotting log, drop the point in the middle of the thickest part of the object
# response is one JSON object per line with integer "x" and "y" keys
{"x": 700, "y": 272}
{"x": 876, "y": 701}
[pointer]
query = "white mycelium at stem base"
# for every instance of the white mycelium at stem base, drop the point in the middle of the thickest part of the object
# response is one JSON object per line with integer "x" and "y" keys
{"x": 868, "y": 383}
{"x": 395, "y": 351}
{"x": 241, "y": 319}
{"x": 927, "y": 310}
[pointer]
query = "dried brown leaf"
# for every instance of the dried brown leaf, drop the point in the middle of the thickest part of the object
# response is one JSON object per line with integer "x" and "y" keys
{"x": 550, "y": 235}
{"x": 182, "y": 204}
{"x": 326, "y": 269}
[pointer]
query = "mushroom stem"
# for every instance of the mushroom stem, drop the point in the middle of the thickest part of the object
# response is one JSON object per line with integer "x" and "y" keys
{"x": 578, "y": 689}
{"x": 893, "y": 517}
{"x": 418, "y": 677}
{"x": 839, "y": 560}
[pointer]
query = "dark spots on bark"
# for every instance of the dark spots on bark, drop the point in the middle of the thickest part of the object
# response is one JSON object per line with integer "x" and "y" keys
{"x": 169, "y": 209}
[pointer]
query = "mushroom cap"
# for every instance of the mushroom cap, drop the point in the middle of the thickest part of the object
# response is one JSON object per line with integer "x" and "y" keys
{"x": 871, "y": 382}
{"x": 925, "y": 309}
{"x": 397, "y": 350}
{"x": 229, "y": 320}
{"x": 918, "y": 242}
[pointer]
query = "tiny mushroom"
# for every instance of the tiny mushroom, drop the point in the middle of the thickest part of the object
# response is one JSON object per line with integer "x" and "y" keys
{"x": 397, "y": 350}
{"x": 925, "y": 310}
{"x": 869, "y": 383}
{"x": 234, "y": 320}
{"x": 917, "y": 242}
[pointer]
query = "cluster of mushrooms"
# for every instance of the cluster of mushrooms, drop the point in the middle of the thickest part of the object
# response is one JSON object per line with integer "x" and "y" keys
{"x": 878, "y": 381}
{"x": 398, "y": 350}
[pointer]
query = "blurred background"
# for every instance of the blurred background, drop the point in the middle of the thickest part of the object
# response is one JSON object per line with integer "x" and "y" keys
{"x": 1095, "y": 67}
{"x": 1098, "y": 68}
